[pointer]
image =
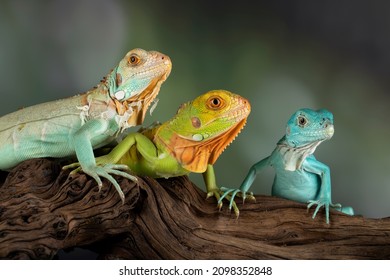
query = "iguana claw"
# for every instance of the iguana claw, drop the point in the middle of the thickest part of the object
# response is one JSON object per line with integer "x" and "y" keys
{"x": 104, "y": 171}
{"x": 217, "y": 196}
{"x": 230, "y": 194}
{"x": 321, "y": 203}
{"x": 237, "y": 192}
{"x": 232, "y": 204}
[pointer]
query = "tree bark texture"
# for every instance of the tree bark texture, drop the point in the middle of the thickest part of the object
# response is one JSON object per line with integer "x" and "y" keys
{"x": 44, "y": 210}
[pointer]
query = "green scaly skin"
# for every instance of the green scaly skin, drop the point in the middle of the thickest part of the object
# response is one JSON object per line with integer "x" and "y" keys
{"x": 77, "y": 125}
{"x": 190, "y": 142}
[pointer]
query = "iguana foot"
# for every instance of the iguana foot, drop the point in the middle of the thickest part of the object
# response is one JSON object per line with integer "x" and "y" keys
{"x": 230, "y": 194}
{"x": 321, "y": 203}
{"x": 232, "y": 204}
{"x": 236, "y": 192}
{"x": 105, "y": 171}
{"x": 347, "y": 210}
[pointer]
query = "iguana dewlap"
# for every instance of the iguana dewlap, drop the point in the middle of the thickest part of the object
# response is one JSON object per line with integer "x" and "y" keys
{"x": 78, "y": 124}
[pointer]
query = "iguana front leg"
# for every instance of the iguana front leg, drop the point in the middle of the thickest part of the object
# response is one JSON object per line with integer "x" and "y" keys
{"x": 324, "y": 196}
{"x": 80, "y": 123}
{"x": 247, "y": 183}
{"x": 212, "y": 189}
{"x": 84, "y": 152}
{"x": 211, "y": 184}
{"x": 150, "y": 155}
{"x": 143, "y": 145}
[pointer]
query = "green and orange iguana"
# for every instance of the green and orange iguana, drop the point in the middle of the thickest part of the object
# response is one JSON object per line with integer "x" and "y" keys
{"x": 78, "y": 124}
{"x": 190, "y": 142}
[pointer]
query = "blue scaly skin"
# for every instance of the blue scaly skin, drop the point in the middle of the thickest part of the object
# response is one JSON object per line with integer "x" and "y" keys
{"x": 299, "y": 175}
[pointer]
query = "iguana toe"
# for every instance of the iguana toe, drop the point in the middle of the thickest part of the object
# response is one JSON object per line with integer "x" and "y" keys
{"x": 217, "y": 196}
{"x": 232, "y": 193}
{"x": 336, "y": 205}
{"x": 246, "y": 196}
{"x": 348, "y": 210}
{"x": 75, "y": 166}
{"x": 102, "y": 172}
{"x": 251, "y": 197}
{"x": 105, "y": 172}
{"x": 233, "y": 205}
{"x": 227, "y": 196}
{"x": 319, "y": 204}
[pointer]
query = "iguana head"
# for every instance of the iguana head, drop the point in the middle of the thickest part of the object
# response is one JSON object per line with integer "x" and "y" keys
{"x": 204, "y": 127}
{"x": 136, "y": 81}
{"x": 308, "y": 126}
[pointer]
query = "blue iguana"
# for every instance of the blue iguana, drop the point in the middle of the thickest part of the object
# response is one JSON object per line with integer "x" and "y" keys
{"x": 79, "y": 124}
{"x": 299, "y": 175}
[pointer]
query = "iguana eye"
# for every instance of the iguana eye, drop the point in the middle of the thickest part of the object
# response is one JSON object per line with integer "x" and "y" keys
{"x": 215, "y": 102}
{"x": 302, "y": 121}
{"x": 134, "y": 59}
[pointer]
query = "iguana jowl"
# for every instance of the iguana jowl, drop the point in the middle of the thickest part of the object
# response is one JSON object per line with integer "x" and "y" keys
{"x": 191, "y": 141}
{"x": 78, "y": 124}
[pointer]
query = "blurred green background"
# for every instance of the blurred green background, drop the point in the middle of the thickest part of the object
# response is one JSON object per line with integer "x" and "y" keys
{"x": 281, "y": 55}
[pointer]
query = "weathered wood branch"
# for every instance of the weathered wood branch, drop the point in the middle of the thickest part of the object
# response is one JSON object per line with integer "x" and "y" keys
{"x": 43, "y": 210}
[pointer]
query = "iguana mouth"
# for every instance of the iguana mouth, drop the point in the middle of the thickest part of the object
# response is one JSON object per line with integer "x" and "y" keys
{"x": 321, "y": 134}
{"x": 242, "y": 111}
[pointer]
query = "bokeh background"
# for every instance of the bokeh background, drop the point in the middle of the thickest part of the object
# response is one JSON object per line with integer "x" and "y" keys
{"x": 281, "y": 55}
